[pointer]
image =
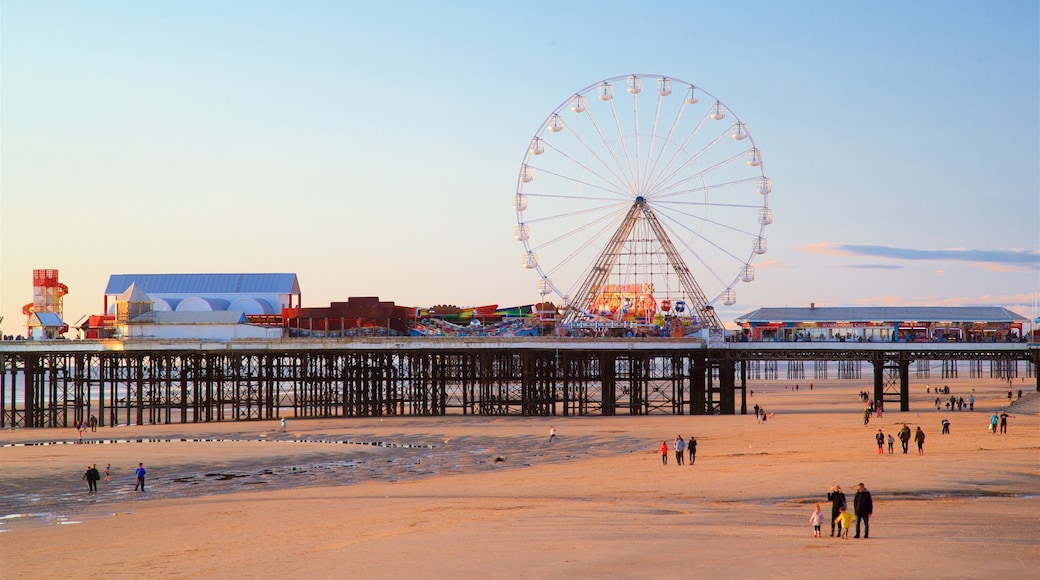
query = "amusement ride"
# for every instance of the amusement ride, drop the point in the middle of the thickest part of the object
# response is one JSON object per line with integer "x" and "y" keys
{"x": 642, "y": 200}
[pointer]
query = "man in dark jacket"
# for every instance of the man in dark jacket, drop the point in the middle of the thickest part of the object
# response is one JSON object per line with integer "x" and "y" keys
{"x": 92, "y": 476}
{"x": 863, "y": 506}
{"x": 904, "y": 437}
{"x": 837, "y": 499}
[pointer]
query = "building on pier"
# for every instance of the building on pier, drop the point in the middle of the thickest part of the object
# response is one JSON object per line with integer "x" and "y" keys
{"x": 261, "y": 297}
{"x": 884, "y": 324}
{"x": 208, "y": 307}
{"x": 358, "y": 316}
{"x": 45, "y": 326}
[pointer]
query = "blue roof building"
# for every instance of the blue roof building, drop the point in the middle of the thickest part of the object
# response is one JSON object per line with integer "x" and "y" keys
{"x": 252, "y": 294}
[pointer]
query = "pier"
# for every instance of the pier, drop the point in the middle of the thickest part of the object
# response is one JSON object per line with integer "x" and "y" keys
{"x": 50, "y": 384}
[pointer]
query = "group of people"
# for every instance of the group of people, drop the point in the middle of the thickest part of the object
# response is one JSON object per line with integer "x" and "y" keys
{"x": 956, "y": 403}
{"x": 872, "y": 408}
{"x": 81, "y": 427}
{"x": 760, "y": 414}
{"x": 841, "y": 518}
{"x": 680, "y": 445}
{"x": 92, "y": 476}
{"x": 1002, "y": 419}
{"x": 904, "y": 439}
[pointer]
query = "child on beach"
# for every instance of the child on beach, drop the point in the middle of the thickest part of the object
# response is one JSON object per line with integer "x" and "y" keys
{"x": 844, "y": 520}
{"x": 891, "y": 443}
{"x": 664, "y": 453}
{"x": 816, "y": 520}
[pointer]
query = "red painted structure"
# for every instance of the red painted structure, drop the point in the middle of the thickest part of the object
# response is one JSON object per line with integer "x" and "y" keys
{"x": 357, "y": 315}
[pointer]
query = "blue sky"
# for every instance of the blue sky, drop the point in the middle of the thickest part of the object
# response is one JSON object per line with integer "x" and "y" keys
{"x": 373, "y": 148}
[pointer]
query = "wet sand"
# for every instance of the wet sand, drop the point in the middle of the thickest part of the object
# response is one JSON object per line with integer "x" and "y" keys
{"x": 490, "y": 497}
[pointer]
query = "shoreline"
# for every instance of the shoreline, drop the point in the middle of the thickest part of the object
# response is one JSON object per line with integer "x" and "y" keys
{"x": 596, "y": 502}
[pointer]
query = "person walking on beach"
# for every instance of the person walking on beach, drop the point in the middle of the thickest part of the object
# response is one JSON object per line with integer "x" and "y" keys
{"x": 283, "y": 424}
{"x": 880, "y": 437}
{"x": 904, "y": 437}
{"x": 1003, "y": 421}
{"x": 891, "y": 443}
{"x": 837, "y": 499}
{"x": 919, "y": 439}
{"x": 664, "y": 453}
{"x": 844, "y": 521}
{"x": 108, "y": 472}
{"x": 945, "y": 426}
{"x": 816, "y": 521}
{"x": 91, "y": 477}
{"x": 140, "y": 477}
{"x": 863, "y": 505}
{"x": 93, "y": 423}
{"x": 552, "y": 433}
{"x": 691, "y": 445}
{"x": 971, "y": 402}
{"x": 680, "y": 446}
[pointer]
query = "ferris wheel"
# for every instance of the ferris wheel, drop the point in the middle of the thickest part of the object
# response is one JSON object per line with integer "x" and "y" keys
{"x": 642, "y": 214}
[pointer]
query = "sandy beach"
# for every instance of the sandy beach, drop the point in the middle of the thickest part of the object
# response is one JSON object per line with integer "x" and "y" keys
{"x": 484, "y": 497}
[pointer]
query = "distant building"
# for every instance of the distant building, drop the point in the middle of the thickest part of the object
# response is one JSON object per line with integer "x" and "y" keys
{"x": 218, "y": 307}
{"x": 45, "y": 326}
{"x": 223, "y": 325}
{"x": 883, "y": 324}
{"x": 261, "y": 297}
{"x": 358, "y": 316}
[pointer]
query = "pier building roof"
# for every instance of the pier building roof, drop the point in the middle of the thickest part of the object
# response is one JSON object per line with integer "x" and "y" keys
{"x": 883, "y": 314}
{"x": 205, "y": 283}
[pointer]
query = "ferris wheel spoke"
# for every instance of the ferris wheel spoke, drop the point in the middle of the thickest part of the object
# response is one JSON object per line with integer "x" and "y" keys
{"x": 653, "y": 140}
{"x": 573, "y": 214}
{"x": 710, "y": 268}
{"x": 666, "y": 170}
{"x": 636, "y": 134}
{"x": 624, "y": 177}
{"x": 691, "y": 160}
{"x": 698, "y": 175}
{"x": 606, "y": 223}
{"x": 624, "y": 144}
{"x": 572, "y": 197}
{"x": 705, "y": 220}
{"x": 668, "y": 139}
{"x": 666, "y": 197}
{"x": 582, "y": 182}
{"x": 584, "y": 228}
{"x": 620, "y": 181}
{"x": 750, "y": 235}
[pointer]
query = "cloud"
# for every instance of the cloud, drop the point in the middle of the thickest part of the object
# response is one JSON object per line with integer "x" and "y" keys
{"x": 870, "y": 267}
{"x": 996, "y": 260}
{"x": 1018, "y": 302}
{"x": 771, "y": 264}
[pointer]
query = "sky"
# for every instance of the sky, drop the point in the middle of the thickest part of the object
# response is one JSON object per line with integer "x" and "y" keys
{"x": 372, "y": 148}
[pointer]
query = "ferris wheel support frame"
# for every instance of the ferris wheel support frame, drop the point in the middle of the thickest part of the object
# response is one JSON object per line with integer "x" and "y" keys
{"x": 603, "y": 267}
